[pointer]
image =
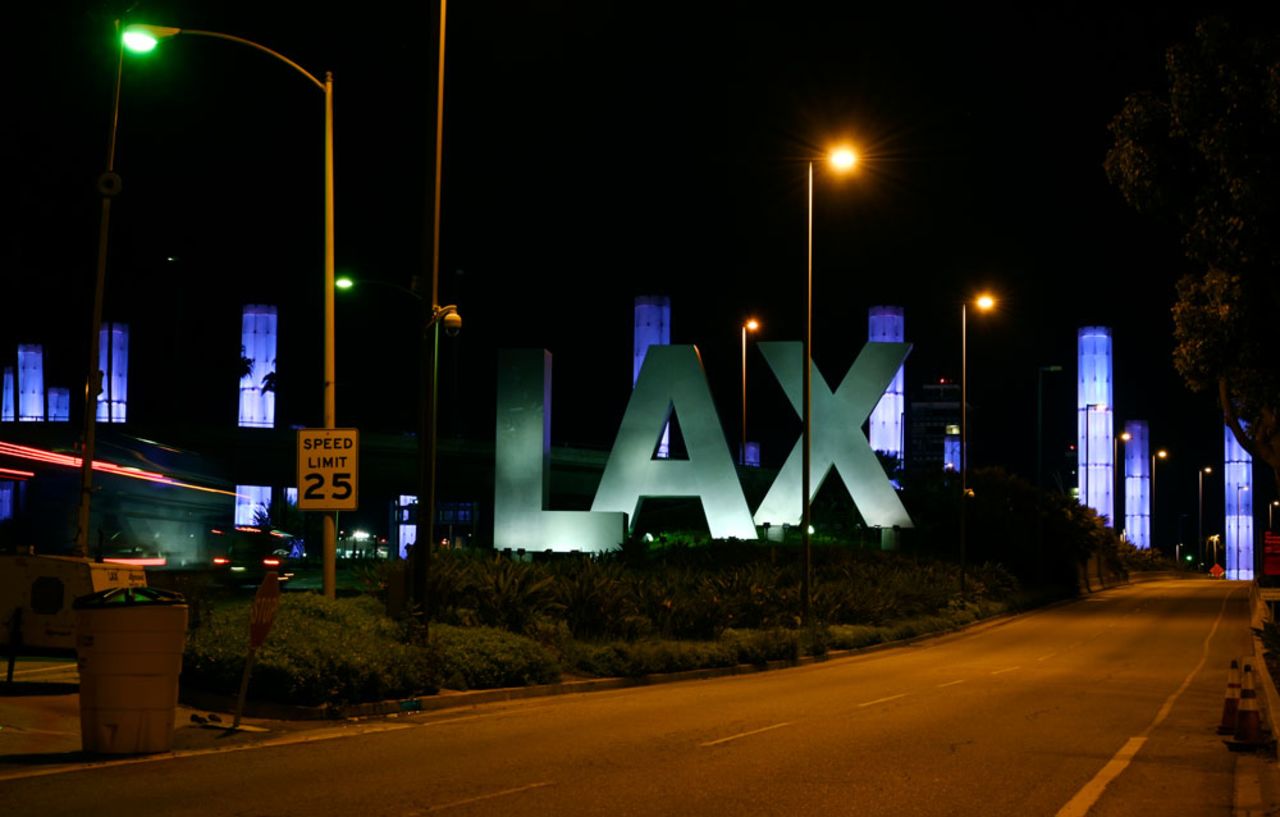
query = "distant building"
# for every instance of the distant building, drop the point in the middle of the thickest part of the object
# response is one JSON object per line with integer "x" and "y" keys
{"x": 934, "y": 414}
{"x": 884, "y": 428}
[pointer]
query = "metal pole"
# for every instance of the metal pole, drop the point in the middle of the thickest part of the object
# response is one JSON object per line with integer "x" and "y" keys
{"x": 742, "y": 452}
{"x": 108, "y": 186}
{"x": 427, "y": 432}
{"x": 330, "y": 520}
{"x": 1152, "y": 522}
{"x": 805, "y": 510}
{"x": 1200, "y": 514}
{"x": 964, "y": 437}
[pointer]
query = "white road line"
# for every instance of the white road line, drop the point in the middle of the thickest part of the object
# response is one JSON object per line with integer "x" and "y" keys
{"x": 745, "y": 734}
{"x": 1006, "y": 669}
{"x": 1046, "y": 657}
{"x": 1079, "y": 805}
{"x": 42, "y": 670}
{"x": 490, "y": 796}
{"x": 882, "y": 700}
{"x": 949, "y": 684}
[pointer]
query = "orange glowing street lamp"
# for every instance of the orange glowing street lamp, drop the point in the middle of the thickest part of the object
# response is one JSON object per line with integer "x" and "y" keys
{"x": 985, "y": 302}
{"x": 751, "y": 325}
{"x": 842, "y": 159}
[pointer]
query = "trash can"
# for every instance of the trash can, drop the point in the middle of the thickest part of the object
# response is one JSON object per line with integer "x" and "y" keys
{"x": 129, "y": 644}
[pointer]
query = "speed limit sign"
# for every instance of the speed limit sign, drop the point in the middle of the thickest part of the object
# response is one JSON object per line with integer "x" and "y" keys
{"x": 328, "y": 469}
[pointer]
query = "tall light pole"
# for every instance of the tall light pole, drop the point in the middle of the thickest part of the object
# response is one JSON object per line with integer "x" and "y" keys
{"x": 1117, "y": 482}
{"x": 984, "y": 303}
{"x": 1271, "y": 513}
{"x": 1158, "y": 455}
{"x": 143, "y": 38}
{"x": 842, "y": 160}
{"x": 1200, "y": 510}
{"x": 750, "y": 325}
{"x": 108, "y": 187}
{"x": 433, "y": 313}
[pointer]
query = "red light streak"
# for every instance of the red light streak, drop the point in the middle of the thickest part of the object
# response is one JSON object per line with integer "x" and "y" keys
{"x": 16, "y": 474}
{"x": 67, "y": 460}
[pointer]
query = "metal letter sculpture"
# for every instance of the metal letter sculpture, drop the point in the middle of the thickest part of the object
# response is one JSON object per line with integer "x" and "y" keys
{"x": 522, "y": 474}
{"x": 672, "y": 379}
{"x": 837, "y": 438}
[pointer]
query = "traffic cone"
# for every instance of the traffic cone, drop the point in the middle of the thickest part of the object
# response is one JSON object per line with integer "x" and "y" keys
{"x": 1231, "y": 703}
{"x": 1248, "y": 733}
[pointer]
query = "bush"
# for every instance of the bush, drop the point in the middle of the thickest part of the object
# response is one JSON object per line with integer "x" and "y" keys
{"x": 319, "y": 651}
{"x": 486, "y": 657}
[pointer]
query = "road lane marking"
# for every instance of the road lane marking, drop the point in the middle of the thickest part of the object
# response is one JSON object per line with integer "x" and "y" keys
{"x": 949, "y": 684}
{"x": 1046, "y": 657}
{"x": 490, "y": 796}
{"x": 42, "y": 670}
{"x": 882, "y": 700}
{"x": 1079, "y": 805}
{"x": 1006, "y": 669}
{"x": 745, "y": 734}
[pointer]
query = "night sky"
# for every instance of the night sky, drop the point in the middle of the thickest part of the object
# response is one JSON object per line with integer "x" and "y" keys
{"x": 593, "y": 152}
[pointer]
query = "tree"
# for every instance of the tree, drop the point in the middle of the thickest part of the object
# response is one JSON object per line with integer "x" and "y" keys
{"x": 1203, "y": 154}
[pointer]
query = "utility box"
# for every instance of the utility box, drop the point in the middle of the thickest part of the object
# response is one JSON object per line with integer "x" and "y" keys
{"x": 43, "y": 588}
{"x": 129, "y": 645}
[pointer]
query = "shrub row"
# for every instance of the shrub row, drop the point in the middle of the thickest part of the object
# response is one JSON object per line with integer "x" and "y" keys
{"x": 347, "y": 651}
{"x": 677, "y": 595}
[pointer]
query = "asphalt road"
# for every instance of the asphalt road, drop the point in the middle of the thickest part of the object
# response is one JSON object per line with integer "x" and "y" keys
{"x": 1105, "y": 706}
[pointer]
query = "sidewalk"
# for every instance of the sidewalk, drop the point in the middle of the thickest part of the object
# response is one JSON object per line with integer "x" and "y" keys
{"x": 40, "y": 721}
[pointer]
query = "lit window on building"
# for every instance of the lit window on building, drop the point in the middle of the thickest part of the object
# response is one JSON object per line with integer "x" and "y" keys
{"x": 258, "y": 360}
{"x": 30, "y": 383}
{"x": 113, "y": 360}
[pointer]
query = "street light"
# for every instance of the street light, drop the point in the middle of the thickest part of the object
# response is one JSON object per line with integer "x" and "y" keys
{"x": 842, "y": 160}
{"x": 1270, "y": 513}
{"x": 433, "y": 316}
{"x": 751, "y": 325}
{"x": 1200, "y": 509}
{"x": 108, "y": 187}
{"x": 1159, "y": 455}
{"x": 143, "y": 38}
{"x": 1117, "y": 481}
{"x": 985, "y": 303}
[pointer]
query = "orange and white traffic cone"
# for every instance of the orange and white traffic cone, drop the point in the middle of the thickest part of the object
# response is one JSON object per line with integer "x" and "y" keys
{"x": 1231, "y": 703}
{"x": 1248, "y": 733}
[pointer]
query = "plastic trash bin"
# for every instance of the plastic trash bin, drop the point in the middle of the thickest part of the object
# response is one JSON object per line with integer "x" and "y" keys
{"x": 129, "y": 643}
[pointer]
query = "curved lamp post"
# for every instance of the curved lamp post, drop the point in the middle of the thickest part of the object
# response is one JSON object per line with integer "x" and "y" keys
{"x": 842, "y": 160}
{"x": 143, "y": 38}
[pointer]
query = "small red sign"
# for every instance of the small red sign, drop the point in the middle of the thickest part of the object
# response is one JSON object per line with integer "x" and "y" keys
{"x": 1270, "y": 554}
{"x": 1216, "y": 571}
{"x": 263, "y": 613}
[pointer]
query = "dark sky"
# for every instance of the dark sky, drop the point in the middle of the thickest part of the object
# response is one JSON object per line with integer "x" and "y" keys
{"x": 596, "y": 151}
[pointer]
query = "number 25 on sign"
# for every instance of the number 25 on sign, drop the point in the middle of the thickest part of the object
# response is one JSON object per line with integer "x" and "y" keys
{"x": 328, "y": 469}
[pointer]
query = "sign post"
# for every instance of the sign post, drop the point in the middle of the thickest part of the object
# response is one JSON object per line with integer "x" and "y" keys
{"x": 328, "y": 480}
{"x": 261, "y": 616}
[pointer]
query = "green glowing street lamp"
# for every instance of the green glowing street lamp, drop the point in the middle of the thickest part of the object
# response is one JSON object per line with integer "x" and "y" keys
{"x": 140, "y": 38}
